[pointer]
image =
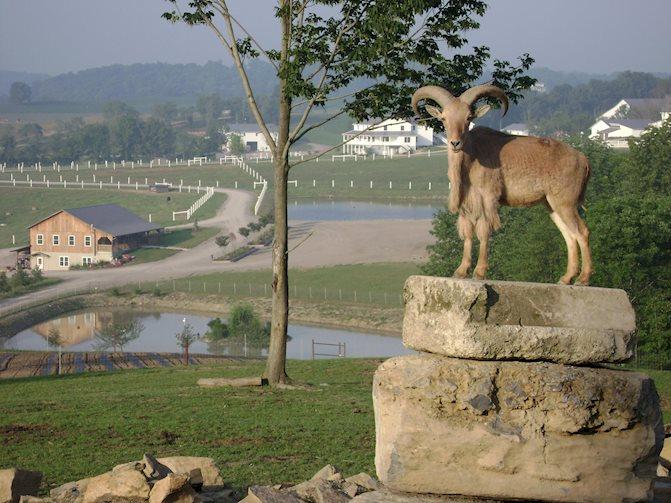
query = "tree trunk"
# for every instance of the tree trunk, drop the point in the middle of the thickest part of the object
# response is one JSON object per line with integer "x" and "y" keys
{"x": 276, "y": 364}
{"x": 277, "y": 353}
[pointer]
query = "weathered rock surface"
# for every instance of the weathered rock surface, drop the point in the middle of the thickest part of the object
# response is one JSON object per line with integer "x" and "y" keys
{"x": 173, "y": 488}
{"x": 15, "y": 483}
{"x": 490, "y": 320}
{"x": 264, "y": 494}
{"x": 116, "y": 487}
{"x": 211, "y": 476}
{"x": 386, "y": 496}
{"x": 507, "y": 430}
{"x": 72, "y": 492}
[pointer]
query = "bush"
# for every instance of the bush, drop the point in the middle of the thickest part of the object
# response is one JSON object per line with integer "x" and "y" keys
{"x": 4, "y": 282}
{"x": 244, "y": 323}
{"x": 222, "y": 241}
{"x": 138, "y": 290}
{"x": 253, "y": 226}
{"x": 156, "y": 292}
{"x": 266, "y": 218}
{"x": 244, "y": 231}
{"x": 238, "y": 253}
{"x": 265, "y": 238}
{"x": 115, "y": 292}
{"x": 20, "y": 279}
{"x": 37, "y": 275}
{"x": 218, "y": 330}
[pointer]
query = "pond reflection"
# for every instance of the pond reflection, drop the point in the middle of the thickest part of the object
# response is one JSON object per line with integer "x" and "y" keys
{"x": 78, "y": 333}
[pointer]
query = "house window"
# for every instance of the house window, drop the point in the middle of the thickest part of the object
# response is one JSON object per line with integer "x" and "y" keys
{"x": 39, "y": 239}
{"x": 402, "y": 128}
{"x": 87, "y": 241}
{"x": 385, "y": 138}
{"x": 71, "y": 240}
{"x": 385, "y": 128}
{"x": 407, "y": 139}
{"x": 55, "y": 240}
{"x": 87, "y": 261}
{"x": 64, "y": 261}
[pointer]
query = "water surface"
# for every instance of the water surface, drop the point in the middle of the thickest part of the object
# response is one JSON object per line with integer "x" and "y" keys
{"x": 78, "y": 332}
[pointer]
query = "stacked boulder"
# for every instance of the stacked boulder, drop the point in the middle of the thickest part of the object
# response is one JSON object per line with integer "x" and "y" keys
{"x": 508, "y": 397}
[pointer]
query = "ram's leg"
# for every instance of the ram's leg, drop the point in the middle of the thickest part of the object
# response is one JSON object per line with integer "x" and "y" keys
{"x": 571, "y": 245}
{"x": 465, "y": 228}
{"x": 483, "y": 231}
{"x": 586, "y": 254}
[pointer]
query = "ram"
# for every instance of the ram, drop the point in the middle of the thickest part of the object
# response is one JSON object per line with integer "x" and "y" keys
{"x": 488, "y": 168}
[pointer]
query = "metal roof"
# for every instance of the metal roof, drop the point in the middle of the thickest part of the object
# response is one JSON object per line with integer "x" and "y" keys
{"x": 111, "y": 218}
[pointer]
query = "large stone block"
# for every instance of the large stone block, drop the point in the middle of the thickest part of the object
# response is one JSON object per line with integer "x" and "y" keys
{"x": 500, "y": 320}
{"x": 505, "y": 430}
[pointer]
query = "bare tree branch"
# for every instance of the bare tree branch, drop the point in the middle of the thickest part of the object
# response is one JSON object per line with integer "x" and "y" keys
{"x": 315, "y": 126}
{"x": 233, "y": 48}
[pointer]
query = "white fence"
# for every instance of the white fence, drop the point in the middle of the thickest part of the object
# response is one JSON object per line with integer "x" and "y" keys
{"x": 209, "y": 192}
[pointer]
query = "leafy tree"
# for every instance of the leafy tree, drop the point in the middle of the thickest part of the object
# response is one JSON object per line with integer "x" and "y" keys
{"x": 117, "y": 335}
{"x": 648, "y": 169}
{"x": 7, "y": 147}
{"x": 117, "y": 109}
{"x": 20, "y": 92}
{"x": 166, "y": 112}
{"x": 235, "y": 144}
{"x": 185, "y": 338}
{"x": 379, "y": 55}
{"x": 244, "y": 323}
{"x": 55, "y": 341}
{"x": 20, "y": 279}
{"x": 217, "y": 330}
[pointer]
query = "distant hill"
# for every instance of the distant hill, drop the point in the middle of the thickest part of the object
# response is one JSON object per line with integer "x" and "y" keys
{"x": 153, "y": 81}
{"x": 8, "y": 77}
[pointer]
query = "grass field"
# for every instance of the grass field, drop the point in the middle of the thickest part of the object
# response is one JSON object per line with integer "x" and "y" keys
{"x": 20, "y": 207}
{"x": 188, "y": 238}
{"x": 378, "y": 284}
{"x": 15, "y": 292}
{"x": 77, "y": 426}
{"x": 409, "y": 177}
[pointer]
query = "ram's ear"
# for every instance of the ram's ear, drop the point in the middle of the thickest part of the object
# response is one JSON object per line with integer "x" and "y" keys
{"x": 482, "y": 110}
{"x": 434, "y": 111}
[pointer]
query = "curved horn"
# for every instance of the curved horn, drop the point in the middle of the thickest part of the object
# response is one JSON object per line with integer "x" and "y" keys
{"x": 436, "y": 93}
{"x": 470, "y": 96}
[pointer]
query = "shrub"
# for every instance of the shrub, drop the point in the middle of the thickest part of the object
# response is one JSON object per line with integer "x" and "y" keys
{"x": 244, "y": 323}
{"x": 4, "y": 282}
{"x": 222, "y": 241}
{"x": 115, "y": 292}
{"x": 253, "y": 226}
{"x": 138, "y": 290}
{"x": 244, "y": 231}
{"x": 238, "y": 253}
{"x": 156, "y": 292}
{"x": 37, "y": 275}
{"x": 20, "y": 279}
{"x": 266, "y": 218}
{"x": 218, "y": 330}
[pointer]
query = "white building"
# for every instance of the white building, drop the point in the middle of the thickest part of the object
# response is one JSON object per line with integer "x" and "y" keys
{"x": 629, "y": 118}
{"x": 392, "y": 136}
{"x": 252, "y": 137}
{"x": 517, "y": 128}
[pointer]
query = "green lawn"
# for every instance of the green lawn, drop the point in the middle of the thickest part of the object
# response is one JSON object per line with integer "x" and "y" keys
{"x": 410, "y": 176}
{"x": 15, "y": 292}
{"x": 188, "y": 238}
{"x": 76, "y": 426}
{"x": 379, "y": 284}
{"x": 20, "y": 207}
{"x": 151, "y": 255}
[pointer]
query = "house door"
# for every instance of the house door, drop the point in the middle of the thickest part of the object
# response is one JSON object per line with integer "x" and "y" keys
{"x": 40, "y": 263}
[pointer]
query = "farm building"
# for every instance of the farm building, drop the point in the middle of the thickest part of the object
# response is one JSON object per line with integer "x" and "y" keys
{"x": 252, "y": 137}
{"x": 392, "y": 136}
{"x": 88, "y": 235}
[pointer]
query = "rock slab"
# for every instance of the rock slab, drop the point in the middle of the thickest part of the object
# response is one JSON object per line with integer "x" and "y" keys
{"x": 15, "y": 483}
{"x": 501, "y": 320}
{"x": 515, "y": 430}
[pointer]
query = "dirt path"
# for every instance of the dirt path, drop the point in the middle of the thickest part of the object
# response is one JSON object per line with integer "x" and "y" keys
{"x": 312, "y": 244}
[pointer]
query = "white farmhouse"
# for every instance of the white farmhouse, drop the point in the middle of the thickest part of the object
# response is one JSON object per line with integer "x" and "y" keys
{"x": 517, "y": 128}
{"x": 391, "y": 136}
{"x": 252, "y": 137}
{"x": 629, "y": 118}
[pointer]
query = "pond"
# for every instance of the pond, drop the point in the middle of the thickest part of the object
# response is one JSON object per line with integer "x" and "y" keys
{"x": 80, "y": 332}
{"x": 320, "y": 210}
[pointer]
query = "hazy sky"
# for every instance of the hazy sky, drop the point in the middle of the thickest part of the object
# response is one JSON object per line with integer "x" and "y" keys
{"x": 597, "y": 36}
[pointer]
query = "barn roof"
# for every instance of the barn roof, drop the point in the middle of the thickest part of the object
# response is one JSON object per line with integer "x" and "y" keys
{"x": 111, "y": 218}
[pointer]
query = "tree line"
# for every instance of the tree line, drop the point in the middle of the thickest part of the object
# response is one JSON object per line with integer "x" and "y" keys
{"x": 628, "y": 211}
{"x": 571, "y": 109}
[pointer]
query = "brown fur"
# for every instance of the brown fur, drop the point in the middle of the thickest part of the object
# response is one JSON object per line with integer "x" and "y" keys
{"x": 488, "y": 168}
